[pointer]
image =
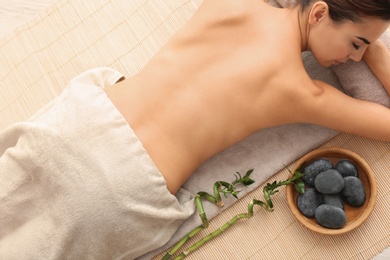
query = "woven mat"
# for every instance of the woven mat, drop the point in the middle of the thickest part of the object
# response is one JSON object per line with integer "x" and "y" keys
{"x": 38, "y": 59}
{"x": 16, "y": 12}
{"x": 277, "y": 235}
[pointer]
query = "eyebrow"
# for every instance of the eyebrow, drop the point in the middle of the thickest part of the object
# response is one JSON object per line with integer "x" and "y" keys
{"x": 363, "y": 39}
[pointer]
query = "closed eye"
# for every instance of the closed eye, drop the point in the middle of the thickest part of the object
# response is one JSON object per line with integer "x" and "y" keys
{"x": 357, "y": 47}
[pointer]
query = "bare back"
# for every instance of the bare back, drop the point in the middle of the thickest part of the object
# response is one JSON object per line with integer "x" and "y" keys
{"x": 218, "y": 80}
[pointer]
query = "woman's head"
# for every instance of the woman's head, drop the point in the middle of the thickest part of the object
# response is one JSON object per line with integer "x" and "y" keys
{"x": 353, "y": 10}
{"x": 339, "y": 30}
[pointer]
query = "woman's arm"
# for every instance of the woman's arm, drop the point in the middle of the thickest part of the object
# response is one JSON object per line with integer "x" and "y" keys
{"x": 338, "y": 111}
{"x": 377, "y": 57}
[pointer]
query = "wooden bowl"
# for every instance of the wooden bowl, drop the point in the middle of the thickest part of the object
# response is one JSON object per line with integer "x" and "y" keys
{"x": 355, "y": 216}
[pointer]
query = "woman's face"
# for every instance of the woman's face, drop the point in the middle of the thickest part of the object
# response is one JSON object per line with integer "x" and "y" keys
{"x": 335, "y": 43}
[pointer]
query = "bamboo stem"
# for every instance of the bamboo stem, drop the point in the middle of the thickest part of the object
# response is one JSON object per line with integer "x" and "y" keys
{"x": 183, "y": 241}
{"x": 212, "y": 235}
{"x": 202, "y": 213}
{"x": 229, "y": 188}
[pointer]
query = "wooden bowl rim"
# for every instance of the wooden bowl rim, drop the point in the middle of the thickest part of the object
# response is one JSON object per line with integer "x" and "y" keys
{"x": 333, "y": 152}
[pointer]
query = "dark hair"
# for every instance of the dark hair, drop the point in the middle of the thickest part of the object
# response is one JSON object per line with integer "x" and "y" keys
{"x": 354, "y": 10}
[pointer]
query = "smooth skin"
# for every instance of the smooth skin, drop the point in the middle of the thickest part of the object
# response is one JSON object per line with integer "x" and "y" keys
{"x": 236, "y": 68}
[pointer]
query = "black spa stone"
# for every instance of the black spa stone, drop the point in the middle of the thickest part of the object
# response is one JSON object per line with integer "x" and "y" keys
{"x": 347, "y": 168}
{"x": 333, "y": 199}
{"x": 329, "y": 182}
{"x": 308, "y": 201}
{"x": 330, "y": 216}
{"x": 311, "y": 170}
{"x": 353, "y": 192}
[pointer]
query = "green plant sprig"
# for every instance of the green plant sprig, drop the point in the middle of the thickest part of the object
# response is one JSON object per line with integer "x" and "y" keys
{"x": 226, "y": 188}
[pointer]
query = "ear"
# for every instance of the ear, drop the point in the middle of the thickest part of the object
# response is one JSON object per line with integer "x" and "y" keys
{"x": 319, "y": 11}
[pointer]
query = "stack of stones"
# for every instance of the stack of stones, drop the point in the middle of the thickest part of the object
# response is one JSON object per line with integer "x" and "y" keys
{"x": 328, "y": 187}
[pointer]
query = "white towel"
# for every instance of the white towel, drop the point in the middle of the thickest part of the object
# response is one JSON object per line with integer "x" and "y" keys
{"x": 76, "y": 183}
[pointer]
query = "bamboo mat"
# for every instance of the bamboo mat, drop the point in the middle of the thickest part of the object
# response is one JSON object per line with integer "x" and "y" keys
{"x": 38, "y": 59}
{"x": 277, "y": 235}
{"x": 16, "y": 12}
{"x": 73, "y": 36}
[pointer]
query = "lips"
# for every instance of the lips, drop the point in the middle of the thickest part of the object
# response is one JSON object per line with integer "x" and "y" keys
{"x": 336, "y": 62}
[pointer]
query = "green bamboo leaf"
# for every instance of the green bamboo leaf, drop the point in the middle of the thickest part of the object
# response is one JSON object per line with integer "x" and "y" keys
{"x": 249, "y": 172}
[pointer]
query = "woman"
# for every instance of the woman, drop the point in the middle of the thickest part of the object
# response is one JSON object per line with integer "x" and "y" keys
{"x": 235, "y": 65}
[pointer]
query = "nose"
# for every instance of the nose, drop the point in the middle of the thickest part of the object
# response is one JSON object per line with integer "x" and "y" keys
{"x": 357, "y": 55}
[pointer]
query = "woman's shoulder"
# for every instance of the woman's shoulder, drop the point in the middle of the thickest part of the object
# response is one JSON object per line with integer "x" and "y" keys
{"x": 234, "y": 8}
